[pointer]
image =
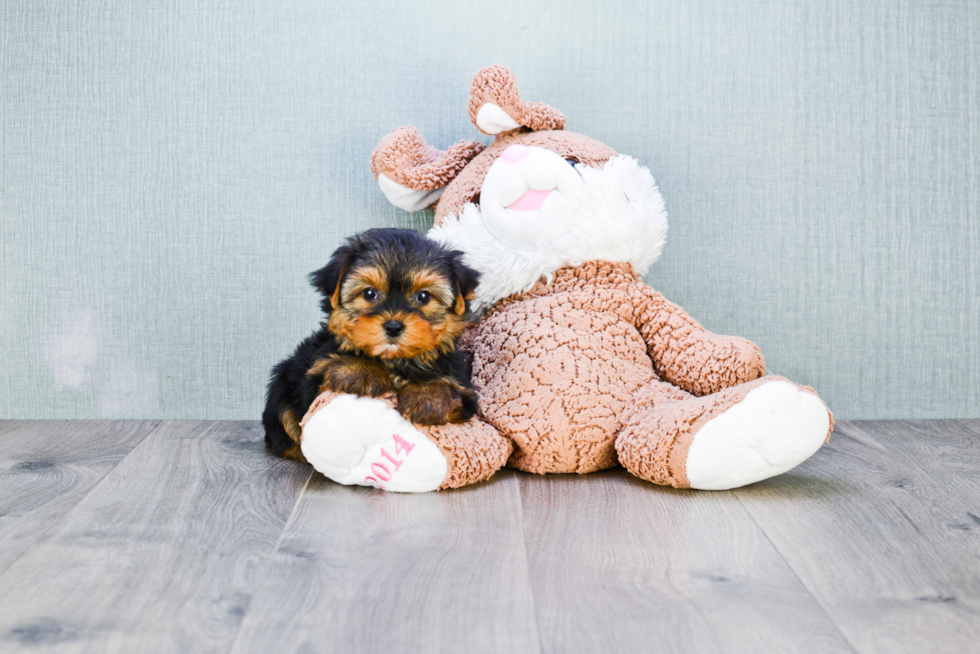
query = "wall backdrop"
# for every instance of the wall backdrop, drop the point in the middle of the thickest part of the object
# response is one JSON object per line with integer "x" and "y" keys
{"x": 172, "y": 170}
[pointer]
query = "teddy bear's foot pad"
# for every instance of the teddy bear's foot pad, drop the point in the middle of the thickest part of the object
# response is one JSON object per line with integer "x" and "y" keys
{"x": 364, "y": 441}
{"x": 774, "y": 428}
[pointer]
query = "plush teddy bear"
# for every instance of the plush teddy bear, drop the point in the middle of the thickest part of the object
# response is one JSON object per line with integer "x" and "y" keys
{"x": 580, "y": 366}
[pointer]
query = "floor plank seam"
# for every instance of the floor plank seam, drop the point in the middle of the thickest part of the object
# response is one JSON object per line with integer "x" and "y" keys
{"x": 142, "y": 542}
{"x": 65, "y": 519}
{"x": 270, "y": 561}
{"x": 527, "y": 563}
{"x": 796, "y": 574}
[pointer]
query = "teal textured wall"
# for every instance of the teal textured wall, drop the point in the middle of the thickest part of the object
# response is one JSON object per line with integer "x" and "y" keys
{"x": 172, "y": 170}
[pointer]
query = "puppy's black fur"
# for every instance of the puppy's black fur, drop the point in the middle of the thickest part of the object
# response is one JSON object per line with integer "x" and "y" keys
{"x": 395, "y": 302}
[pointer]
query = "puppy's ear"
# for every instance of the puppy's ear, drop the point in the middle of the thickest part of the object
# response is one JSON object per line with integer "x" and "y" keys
{"x": 327, "y": 280}
{"x": 465, "y": 279}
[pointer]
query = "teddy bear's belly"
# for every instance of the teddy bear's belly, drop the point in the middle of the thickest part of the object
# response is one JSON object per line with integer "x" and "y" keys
{"x": 557, "y": 379}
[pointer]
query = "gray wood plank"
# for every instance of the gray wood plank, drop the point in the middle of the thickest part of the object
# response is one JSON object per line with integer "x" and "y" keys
{"x": 359, "y": 570}
{"x": 618, "y": 565}
{"x": 880, "y": 526}
{"x": 949, "y": 449}
{"x": 163, "y": 555}
{"x": 47, "y": 467}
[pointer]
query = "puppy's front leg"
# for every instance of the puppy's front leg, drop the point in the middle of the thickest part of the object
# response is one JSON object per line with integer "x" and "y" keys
{"x": 437, "y": 402}
{"x": 348, "y": 374}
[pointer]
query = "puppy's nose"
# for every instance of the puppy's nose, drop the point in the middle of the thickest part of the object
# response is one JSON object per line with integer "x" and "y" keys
{"x": 394, "y": 327}
{"x": 515, "y": 153}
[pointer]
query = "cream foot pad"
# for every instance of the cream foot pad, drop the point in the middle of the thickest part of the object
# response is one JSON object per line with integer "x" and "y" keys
{"x": 363, "y": 441}
{"x": 774, "y": 428}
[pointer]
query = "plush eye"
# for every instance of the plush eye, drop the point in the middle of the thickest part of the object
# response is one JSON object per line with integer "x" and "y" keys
{"x": 423, "y": 297}
{"x": 369, "y": 294}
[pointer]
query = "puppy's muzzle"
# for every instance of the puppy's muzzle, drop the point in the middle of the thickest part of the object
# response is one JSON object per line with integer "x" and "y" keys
{"x": 394, "y": 328}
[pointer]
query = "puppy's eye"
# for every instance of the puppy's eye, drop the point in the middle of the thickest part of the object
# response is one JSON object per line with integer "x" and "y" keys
{"x": 423, "y": 297}
{"x": 369, "y": 294}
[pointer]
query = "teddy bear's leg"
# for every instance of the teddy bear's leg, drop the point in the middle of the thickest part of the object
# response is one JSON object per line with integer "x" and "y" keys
{"x": 735, "y": 437}
{"x": 365, "y": 441}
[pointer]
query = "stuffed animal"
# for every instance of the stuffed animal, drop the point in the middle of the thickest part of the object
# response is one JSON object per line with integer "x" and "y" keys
{"x": 579, "y": 365}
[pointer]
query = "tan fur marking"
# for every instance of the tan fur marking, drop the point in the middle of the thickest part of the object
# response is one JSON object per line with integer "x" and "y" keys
{"x": 335, "y": 297}
{"x": 432, "y": 403}
{"x": 420, "y": 336}
{"x": 351, "y": 374}
{"x": 291, "y": 425}
{"x": 318, "y": 367}
{"x": 455, "y": 325}
{"x": 370, "y": 276}
{"x": 294, "y": 453}
{"x": 422, "y": 279}
{"x": 368, "y": 335}
{"x": 359, "y": 281}
{"x": 340, "y": 323}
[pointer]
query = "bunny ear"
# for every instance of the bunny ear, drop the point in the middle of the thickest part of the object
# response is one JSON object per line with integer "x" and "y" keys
{"x": 496, "y": 107}
{"x": 412, "y": 174}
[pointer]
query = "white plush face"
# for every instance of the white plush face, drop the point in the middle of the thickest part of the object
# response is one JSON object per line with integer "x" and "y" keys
{"x": 538, "y": 213}
{"x": 522, "y": 195}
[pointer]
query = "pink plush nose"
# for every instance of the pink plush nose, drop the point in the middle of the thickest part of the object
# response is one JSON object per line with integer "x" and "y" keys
{"x": 515, "y": 153}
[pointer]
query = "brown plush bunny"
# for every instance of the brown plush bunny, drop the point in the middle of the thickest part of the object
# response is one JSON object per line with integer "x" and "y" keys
{"x": 580, "y": 366}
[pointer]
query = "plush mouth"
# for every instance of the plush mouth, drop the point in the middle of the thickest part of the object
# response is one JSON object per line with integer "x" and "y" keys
{"x": 530, "y": 201}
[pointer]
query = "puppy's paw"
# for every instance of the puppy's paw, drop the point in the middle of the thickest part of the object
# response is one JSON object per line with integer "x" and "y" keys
{"x": 354, "y": 375}
{"x": 436, "y": 403}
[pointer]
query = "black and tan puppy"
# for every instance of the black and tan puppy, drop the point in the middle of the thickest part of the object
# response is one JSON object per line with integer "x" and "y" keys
{"x": 395, "y": 303}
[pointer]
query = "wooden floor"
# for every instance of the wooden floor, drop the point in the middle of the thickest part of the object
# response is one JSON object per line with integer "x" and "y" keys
{"x": 187, "y": 537}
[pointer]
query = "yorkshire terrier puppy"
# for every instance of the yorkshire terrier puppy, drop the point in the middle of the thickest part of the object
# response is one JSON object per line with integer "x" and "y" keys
{"x": 395, "y": 303}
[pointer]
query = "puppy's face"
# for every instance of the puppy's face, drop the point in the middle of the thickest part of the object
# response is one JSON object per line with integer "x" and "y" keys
{"x": 393, "y": 312}
{"x": 397, "y": 296}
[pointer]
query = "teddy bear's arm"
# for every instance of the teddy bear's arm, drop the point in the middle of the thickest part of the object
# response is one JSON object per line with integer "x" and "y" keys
{"x": 686, "y": 354}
